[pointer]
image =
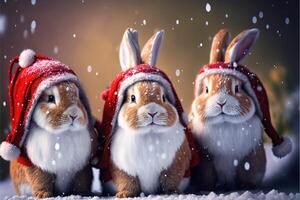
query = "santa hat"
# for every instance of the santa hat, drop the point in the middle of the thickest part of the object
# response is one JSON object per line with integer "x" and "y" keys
{"x": 32, "y": 76}
{"x": 232, "y": 57}
{"x": 132, "y": 73}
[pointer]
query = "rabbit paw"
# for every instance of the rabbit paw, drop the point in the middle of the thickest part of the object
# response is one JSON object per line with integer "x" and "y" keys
{"x": 42, "y": 194}
{"x": 124, "y": 194}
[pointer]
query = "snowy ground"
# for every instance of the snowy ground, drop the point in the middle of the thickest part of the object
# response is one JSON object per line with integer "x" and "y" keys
{"x": 274, "y": 166}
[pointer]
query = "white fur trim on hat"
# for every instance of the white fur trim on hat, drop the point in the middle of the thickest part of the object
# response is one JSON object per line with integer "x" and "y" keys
{"x": 9, "y": 151}
{"x": 283, "y": 149}
{"x": 26, "y": 58}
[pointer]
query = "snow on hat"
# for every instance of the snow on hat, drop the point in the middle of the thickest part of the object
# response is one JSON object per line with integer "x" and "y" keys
{"x": 229, "y": 63}
{"x": 33, "y": 75}
{"x": 133, "y": 72}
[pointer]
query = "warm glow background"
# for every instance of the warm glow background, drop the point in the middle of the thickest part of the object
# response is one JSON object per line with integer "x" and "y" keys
{"x": 99, "y": 26}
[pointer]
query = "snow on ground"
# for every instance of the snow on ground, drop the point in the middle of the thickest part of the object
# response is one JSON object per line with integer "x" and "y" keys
{"x": 272, "y": 195}
{"x": 274, "y": 166}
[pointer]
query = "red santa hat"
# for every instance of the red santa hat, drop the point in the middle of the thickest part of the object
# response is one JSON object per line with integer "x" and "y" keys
{"x": 32, "y": 76}
{"x": 134, "y": 72}
{"x": 235, "y": 52}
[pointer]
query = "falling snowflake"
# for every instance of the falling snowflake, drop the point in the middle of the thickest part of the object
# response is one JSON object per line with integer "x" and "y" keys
{"x": 226, "y": 15}
{"x": 287, "y": 20}
{"x": 53, "y": 162}
{"x": 4, "y": 103}
{"x": 235, "y": 64}
{"x": 25, "y": 34}
{"x": 267, "y": 26}
{"x": 33, "y": 26}
{"x": 89, "y": 68}
{"x": 144, "y": 22}
{"x": 192, "y": 19}
{"x": 74, "y": 35}
{"x": 206, "y": 23}
{"x": 177, "y": 21}
{"x": 33, "y": 2}
{"x": 247, "y": 166}
{"x": 163, "y": 155}
{"x": 218, "y": 143}
{"x": 259, "y": 88}
{"x": 261, "y": 14}
{"x": 55, "y": 50}
{"x": 200, "y": 45}
{"x": 57, "y": 146}
{"x": 254, "y": 19}
{"x": 208, "y": 7}
{"x": 2, "y": 24}
{"x": 235, "y": 162}
{"x": 177, "y": 72}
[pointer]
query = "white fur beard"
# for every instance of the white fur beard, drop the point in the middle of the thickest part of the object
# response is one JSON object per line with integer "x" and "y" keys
{"x": 229, "y": 142}
{"x": 146, "y": 155}
{"x": 62, "y": 154}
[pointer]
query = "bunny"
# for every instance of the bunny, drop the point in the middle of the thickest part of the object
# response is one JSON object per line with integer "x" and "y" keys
{"x": 228, "y": 116}
{"x": 52, "y": 141}
{"x": 147, "y": 140}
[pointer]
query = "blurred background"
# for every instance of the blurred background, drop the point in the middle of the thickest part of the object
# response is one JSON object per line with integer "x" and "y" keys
{"x": 85, "y": 34}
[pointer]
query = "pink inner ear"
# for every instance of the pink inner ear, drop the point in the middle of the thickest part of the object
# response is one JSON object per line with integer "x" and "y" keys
{"x": 244, "y": 46}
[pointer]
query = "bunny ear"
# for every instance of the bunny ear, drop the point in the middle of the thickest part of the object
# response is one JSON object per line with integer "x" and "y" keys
{"x": 151, "y": 48}
{"x": 219, "y": 45}
{"x": 240, "y": 45}
{"x": 129, "y": 54}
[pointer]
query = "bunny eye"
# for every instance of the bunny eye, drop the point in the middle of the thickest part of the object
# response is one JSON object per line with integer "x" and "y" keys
{"x": 236, "y": 89}
{"x": 51, "y": 99}
{"x": 163, "y": 98}
{"x": 206, "y": 89}
{"x": 133, "y": 99}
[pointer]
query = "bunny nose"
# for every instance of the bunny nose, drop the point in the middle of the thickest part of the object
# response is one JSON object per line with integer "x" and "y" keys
{"x": 73, "y": 117}
{"x": 221, "y": 104}
{"x": 152, "y": 114}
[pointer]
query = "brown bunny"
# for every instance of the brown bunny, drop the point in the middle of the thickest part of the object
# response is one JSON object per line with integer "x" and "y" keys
{"x": 228, "y": 116}
{"x": 147, "y": 148}
{"x": 54, "y": 139}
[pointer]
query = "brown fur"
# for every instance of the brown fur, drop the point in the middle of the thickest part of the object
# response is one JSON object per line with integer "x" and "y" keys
{"x": 254, "y": 176}
{"x": 127, "y": 186}
{"x": 41, "y": 182}
{"x": 146, "y": 92}
{"x": 219, "y": 82}
{"x": 218, "y": 46}
{"x": 68, "y": 97}
{"x": 171, "y": 177}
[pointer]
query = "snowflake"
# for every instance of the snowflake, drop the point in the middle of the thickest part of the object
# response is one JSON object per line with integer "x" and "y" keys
{"x": 89, "y": 68}
{"x": 287, "y": 20}
{"x": 33, "y": 26}
{"x": 247, "y": 166}
{"x": 261, "y": 14}
{"x": 177, "y": 21}
{"x": 177, "y": 72}
{"x": 208, "y": 7}
{"x": 144, "y": 22}
{"x": 254, "y": 19}
{"x": 235, "y": 162}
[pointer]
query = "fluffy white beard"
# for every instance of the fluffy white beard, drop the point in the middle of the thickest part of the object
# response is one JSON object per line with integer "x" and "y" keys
{"x": 146, "y": 155}
{"x": 62, "y": 154}
{"x": 228, "y": 143}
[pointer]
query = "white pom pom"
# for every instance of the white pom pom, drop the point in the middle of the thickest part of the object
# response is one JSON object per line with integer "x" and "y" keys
{"x": 283, "y": 149}
{"x": 9, "y": 151}
{"x": 26, "y": 58}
